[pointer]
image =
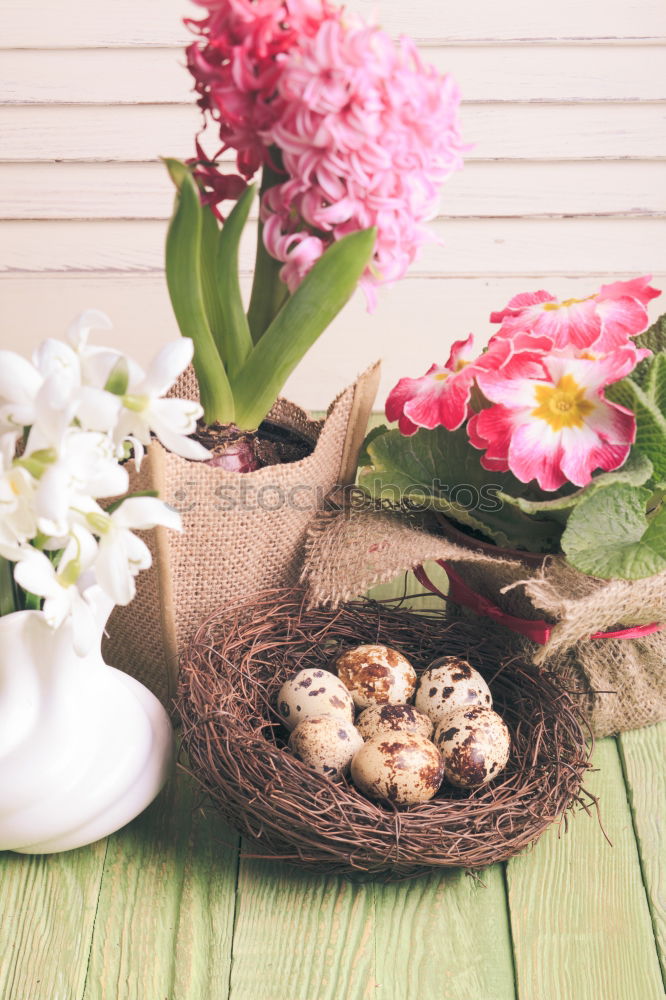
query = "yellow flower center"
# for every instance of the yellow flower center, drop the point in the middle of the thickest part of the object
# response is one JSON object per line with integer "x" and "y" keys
{"x": 563, "y": 405}
{"x": 441, "y": 376}
{"x": 551, "y": 306}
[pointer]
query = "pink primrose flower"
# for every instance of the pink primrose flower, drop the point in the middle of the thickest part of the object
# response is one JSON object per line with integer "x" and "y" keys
{"x": 600, "y": 322}
{"x": 558, "y": 428}
{"x": 440, "y": 397}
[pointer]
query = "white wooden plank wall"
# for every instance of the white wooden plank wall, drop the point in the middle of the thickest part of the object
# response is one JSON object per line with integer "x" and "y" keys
{"x": 565, "y": 187}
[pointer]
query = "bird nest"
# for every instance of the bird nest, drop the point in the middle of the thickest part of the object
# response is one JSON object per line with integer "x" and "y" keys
{"x": 237, "y": 747}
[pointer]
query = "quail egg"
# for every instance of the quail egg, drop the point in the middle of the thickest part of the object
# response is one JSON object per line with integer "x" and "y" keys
{"x": 450, "y": 683}
{"x": 402, "y": 767}
{"x": 475, "y": 744}
{"x": 326, "y": 744}
{"x": 380, "y": 719}
{"x": 376, "y": 675}
{"x": 313, "y": 691}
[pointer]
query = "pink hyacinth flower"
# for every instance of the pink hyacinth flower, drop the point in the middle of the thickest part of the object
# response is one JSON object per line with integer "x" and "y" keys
{"x": 556, "y": 429}
{"x": 438, "y": 398}
{"x": 367, "y": 134}
{"x": 601, "y": 322}
{"x": 236, "y": 65}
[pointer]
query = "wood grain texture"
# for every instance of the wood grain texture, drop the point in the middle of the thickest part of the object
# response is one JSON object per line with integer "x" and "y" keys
{"x": 643, "y": 754}
{"x": 446, "y": 937}
{"x": 579, "y": 916}
{"x": 46, "y": 926}
{"x": 484, "y": 73}
{"x": 467, "y": 247}
{"x": 482, "y": 190}
{"x": 506, "y": 131}
{"x": 36, "y": 306}
{"x": 301, "y": 936}
{"x": 93, "y": 24}
{"x": 165, "y": 916}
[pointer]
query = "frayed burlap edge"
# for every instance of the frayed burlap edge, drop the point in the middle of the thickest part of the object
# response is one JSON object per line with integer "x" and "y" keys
{"x": 622, "y": 682}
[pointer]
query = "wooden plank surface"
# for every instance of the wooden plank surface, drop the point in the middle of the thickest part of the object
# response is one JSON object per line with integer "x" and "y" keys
{"x": 92, "y": 23}
{"x": 469, "y": 247}
{"x": 482, "y": 190}
{"x": 35, "y": 306}
{"x": 505, "y": 131}
{"x": 301, "y": 936}
{"x": 48, "y": 907}
{"x": 165, "y": 915}
{"x": 579, "y": 916}
{"x": 444, "y": 937}
{"x": 484, "y": 73}
{"x": 643, "y": 754}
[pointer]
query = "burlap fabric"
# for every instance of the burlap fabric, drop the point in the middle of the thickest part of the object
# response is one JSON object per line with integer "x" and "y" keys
{"x": 242, "y": 533}
{"x": 622, "y": 681}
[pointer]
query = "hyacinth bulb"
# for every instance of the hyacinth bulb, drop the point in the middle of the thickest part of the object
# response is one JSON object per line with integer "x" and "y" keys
{"x": 238, "y": 455}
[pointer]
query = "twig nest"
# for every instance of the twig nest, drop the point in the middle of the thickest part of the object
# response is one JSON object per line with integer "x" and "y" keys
{"x": 376, "y": 675}
{"x": 404, "y": 768}
{"x": 314, "y": 692}
{"x": 475, "y": 744}
{"x": 450, "y": 683}
{"x": 326, "y": 744}
{"x": 387, "y": 719}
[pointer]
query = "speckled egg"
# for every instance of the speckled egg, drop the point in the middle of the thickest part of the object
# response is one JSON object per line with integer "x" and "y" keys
{"x": 450, "y": 683}
{"x": 326, "y": 744}
{"x": 475, "y": 745}
{"x": 403, "y": 768}
{"x": 313, "y": 692}
{"x": 376, "y": 675}
{"x": 379, "y": 719}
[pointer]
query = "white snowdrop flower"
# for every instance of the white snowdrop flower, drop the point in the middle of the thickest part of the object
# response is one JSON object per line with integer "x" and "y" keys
{"x": 36, "y": 574}
{"x": 170, "y": 420}
{"x": 86, "y": 466}
{"x": 121, "y": 555}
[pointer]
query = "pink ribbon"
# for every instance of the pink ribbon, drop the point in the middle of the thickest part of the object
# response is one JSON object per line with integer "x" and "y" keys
{"x": 538, "y": 631}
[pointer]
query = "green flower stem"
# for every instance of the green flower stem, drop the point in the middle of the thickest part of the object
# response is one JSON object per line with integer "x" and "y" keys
{"x": 269, "y": 293}
{"x": 8, "y": 601}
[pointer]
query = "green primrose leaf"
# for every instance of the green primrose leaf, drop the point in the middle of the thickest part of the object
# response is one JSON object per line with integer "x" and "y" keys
{"x": 636, "y": 471}
{"x": 650, "y": 422}
{"x": 440, "y": 470}
{"x": 610, "y": 536}
{"x": 655, "y": 340}
{"x": 655, "y": 386}
{"x": 364, "y": 457}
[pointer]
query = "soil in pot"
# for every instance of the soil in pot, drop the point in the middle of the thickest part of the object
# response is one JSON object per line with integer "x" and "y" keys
{"x": 243, "y": 451}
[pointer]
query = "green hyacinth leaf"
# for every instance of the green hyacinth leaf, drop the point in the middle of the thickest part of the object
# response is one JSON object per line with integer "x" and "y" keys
{"x": 301, "y": 320}
{"x": 184, "y": 280}
{"x": 440, "y": 470}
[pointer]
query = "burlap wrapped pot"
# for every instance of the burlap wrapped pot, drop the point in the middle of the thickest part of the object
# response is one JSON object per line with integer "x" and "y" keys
{"x": 242, "y": 532}
{"x": 622, "y": 682}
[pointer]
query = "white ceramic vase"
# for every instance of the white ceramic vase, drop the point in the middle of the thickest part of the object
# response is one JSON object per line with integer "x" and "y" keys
{"x": 84, "y": 748}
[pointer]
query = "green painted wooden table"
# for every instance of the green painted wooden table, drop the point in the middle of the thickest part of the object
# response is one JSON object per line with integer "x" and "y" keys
{"x": 170, "y": 908}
